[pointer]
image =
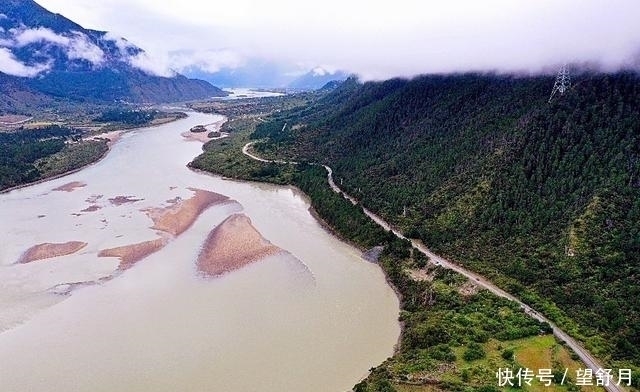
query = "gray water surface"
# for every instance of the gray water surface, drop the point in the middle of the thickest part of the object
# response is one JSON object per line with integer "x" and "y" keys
{"x": 160, "y": 326}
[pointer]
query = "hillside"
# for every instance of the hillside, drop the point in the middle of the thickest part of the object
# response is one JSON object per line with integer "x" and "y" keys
{"x": 542, "y": 198}
{"x": 42, "y": 53}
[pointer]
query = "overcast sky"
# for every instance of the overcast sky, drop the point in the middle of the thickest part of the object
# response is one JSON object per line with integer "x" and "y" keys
{"x": 374, "y": 39}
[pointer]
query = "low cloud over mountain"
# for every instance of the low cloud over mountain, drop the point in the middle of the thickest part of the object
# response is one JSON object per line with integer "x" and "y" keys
{"x": 379, "y": 40}
{"x": 62, "y": 58}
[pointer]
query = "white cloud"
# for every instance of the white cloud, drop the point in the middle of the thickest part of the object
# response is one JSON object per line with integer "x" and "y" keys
{"x": 168, "y": 65}
{"x": 206, "y": 60}
{"x": 3, "y": 16}
{"x": 120, "y": 42}
{"x": 323, "y": 70}
{"x": 377, "y": 39}
{"x": 9, "y": 64}
{"x": 319, "y": 71}
{"x": 28, "y": 36}
{"x": 153, "y": 65}
{"x": 78, "y": 45}
{"x": 150, "y": 65}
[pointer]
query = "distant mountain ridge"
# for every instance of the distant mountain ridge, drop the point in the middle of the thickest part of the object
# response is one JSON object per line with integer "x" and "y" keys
{"x": 265, "y": 74}
{"x": 255, "y": 73}
{"x": 317, "y": 78}
{"x": 46, "y": 53}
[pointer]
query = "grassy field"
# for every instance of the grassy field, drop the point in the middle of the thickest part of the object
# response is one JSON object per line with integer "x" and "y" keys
{"x": 535, "y": 353}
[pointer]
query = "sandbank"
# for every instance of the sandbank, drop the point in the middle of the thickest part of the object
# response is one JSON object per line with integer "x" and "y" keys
{"x": 131, "y": 254}
{"x": 120, "y": 200}
{"x": 91, "y": 208}
{"x": 232, "y": 245}
{"x": 94, "y": 198}
{"x": 48, "y": 250}
{"x": 70, "y": 187}
{"x": 177, "y": 218}
{"x": 204, "y": 136}
{"x": 197, "y": 136}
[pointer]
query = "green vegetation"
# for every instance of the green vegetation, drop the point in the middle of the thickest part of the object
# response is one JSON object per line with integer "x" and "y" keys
{"x": 223, "y": 156}
{"x": 255, "y": 107}
{"x": 455, "y": 336}
{"x": 30, "y": 155}
{"x": 71, "y": 157}
{"x": 198, "y": 129}
{"x": 41, "y": 149}
{"x": 129, "y": 117}
{"x": 118, "y": 118}
{"x": 544, "y": 199}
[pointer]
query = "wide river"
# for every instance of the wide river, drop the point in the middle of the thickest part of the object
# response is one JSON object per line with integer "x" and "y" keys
{"x": 160, "y": 325}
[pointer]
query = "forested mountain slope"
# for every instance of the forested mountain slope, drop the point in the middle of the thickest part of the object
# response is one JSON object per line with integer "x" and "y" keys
{"x": 544, "y": 198}
{"x": 52, "y": 58}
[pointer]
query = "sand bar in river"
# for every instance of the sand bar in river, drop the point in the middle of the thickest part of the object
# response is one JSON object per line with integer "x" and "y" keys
{"x": 232, "y": 245}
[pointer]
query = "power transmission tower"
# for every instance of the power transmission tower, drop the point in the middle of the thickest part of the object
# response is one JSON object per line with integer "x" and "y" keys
{"x": 563, "y": 82}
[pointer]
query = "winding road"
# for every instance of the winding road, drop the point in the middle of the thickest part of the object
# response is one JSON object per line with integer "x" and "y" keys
{"x": 479, "y": 280}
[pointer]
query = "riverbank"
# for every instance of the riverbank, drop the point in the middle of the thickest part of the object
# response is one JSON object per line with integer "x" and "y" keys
{"x": 420, "y": 360}
{"x": 82, "y": 154}
{"x": 92, "y": 161}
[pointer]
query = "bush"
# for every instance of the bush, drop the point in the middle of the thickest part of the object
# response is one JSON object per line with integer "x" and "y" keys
{"x": 442, "y": 352}
{"x": 508, "y": 354}
{"x": 474, "y": 351}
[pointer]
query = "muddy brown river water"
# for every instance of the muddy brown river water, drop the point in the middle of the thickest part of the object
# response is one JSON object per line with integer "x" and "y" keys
{"x": 314, "y": 317}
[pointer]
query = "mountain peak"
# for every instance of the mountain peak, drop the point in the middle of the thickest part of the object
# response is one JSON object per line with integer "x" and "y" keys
{"x": 34, "y": 40}
{"x": 63, "y": 58}
{"x": 32, "y": 14}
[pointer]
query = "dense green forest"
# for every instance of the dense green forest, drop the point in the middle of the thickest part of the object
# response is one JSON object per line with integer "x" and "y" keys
{"x": 128, "y": 116}
{"x": 454, "y": 335}
{"x": 28, "y": 155}
{"x": 445, "y": 329}
{"x": 543, "y": 198}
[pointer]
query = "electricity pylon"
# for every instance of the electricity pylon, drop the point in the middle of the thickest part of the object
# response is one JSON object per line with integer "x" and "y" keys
{"x": 563, "y": 82}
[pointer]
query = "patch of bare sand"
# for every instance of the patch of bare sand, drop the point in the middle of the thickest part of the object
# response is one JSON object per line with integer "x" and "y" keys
{"x": 130, "y": 254}
{"x": 70, "y": 187}
{"x": 49, "y": 250}
{"x": 421, "y": 275}
{"x": 94, "y": 198}
{"x": 120, "y": 200}
{"x": 177, "y": 218}
{"x": 468, "y": 289}
{"x": 204, "y": 136}
{"x": 232, "y": 245}
{"x": 198, "y": 136}
{"x": 111, "y": 137}
{"x": 91, "y": 208}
